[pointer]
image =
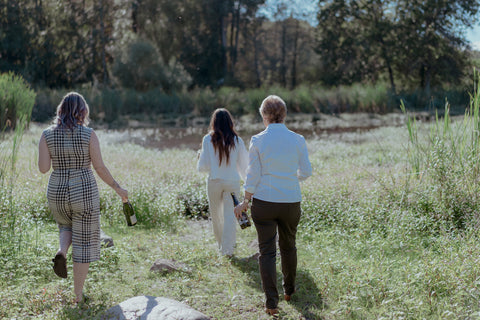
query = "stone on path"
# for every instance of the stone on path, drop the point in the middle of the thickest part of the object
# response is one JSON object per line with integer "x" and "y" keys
{"x": 105, "y": 240}
{"x": 152, "y": 308}
{"x": 169, "y": 266}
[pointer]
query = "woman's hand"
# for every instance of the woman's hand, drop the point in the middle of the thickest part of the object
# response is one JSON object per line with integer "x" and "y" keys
{"x": 240, "y": 208}
{"x": 122, "y": 193}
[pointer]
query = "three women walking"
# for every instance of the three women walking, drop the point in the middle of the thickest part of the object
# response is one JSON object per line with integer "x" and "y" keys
{"x": 271, "y": 170}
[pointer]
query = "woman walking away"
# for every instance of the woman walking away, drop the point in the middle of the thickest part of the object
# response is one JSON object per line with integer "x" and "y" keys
{"x": 225, "y": 158}
{"x": 278, "y": 160}
{"x": 70, "y": 147}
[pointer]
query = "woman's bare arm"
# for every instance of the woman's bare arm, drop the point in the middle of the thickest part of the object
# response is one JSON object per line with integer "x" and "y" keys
{"x": 44, "y": 160}
{"x": 101, "y": 169}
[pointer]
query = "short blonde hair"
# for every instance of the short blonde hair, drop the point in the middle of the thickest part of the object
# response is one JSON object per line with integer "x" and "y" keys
{"x": 273, "y": 109}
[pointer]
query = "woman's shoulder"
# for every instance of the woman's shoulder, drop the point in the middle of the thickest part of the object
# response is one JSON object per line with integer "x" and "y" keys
{"x": 49, "y": 130}
{"x": 296, "y": 135}
{"x": 84, "y": 129}
{"x": 299, "y": 136}
{"x": 84, "y": 132}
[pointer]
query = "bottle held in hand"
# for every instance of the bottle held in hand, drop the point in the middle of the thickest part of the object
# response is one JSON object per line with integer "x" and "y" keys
{"x": 244, "y": 221}
{"x": 129, "y": 214}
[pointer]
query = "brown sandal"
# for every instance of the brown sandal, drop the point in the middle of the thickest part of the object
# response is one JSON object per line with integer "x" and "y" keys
{"x": 60, "y": 265}
{"x": 272, "y": 312}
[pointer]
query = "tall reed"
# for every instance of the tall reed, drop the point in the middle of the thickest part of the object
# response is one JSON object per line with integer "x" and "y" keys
{"x": 446, "y": 161}
{"x": 17, "y": 100}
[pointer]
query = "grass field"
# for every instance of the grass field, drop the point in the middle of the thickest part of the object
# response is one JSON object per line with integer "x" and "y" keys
{"x": 377, "y": 240}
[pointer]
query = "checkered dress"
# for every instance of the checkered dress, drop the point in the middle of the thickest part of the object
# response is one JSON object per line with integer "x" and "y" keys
{"x": 72, "y": 190}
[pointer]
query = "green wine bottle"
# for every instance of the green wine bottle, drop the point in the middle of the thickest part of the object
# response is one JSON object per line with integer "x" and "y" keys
{"x": 129, "y": 214}
{"x": 244, "y": 221}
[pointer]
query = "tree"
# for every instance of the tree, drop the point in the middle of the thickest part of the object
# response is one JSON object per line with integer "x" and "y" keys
{"x": 340, "y": 43}
{"x": 14, "y": 36}
{"x": 420, "y": 42}
{"x": 378, "y": 18}
{"x": 57, "y": 43}
{"x": 433, "y": 41}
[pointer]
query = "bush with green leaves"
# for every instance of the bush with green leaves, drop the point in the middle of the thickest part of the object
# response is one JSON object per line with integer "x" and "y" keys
{"x": 16, "y": 100}
{"x": 193, "y": 202}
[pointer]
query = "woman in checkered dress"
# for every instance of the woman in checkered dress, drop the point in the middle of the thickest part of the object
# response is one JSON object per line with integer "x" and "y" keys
{"x": 70, "y": 148}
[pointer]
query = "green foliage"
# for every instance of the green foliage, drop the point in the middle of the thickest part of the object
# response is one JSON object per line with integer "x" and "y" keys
{"x": 141, "y": 67}
{"x": 171, "y": 45}
{"x": 359, "y": 42}
{"x": 113, "y": 106}
{"x": 16, "y": 100}
{"x": 46, "y": 103}
{"x": 447, "y": 166}
{"x": 193, "y": 202}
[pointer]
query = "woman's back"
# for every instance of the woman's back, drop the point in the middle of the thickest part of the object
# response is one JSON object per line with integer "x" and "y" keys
{"x": 233, "y": 170}
{"x": 69, "y": 148}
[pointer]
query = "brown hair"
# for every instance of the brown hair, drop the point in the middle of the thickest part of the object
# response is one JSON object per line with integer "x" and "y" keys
{"x": 72, "y": 111}
{"x": 273, "y": 109}
{"x": 222, "y": 133}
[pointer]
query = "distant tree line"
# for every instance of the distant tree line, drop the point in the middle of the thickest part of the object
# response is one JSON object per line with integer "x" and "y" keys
{"x": 175, "y": 45}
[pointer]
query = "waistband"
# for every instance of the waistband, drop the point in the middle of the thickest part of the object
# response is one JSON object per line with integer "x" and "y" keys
{"x": 260, "y": 202}
{"x": 72, "y": 169}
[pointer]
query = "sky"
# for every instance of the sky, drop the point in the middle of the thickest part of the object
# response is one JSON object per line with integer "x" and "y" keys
{"x": 307, "y": 8}
{"x": 474, "y": 37}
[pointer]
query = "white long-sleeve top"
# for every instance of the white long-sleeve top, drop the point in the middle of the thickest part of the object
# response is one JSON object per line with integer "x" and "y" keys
{"x": 209, "y": 161}
{"x": 278, "y": 160}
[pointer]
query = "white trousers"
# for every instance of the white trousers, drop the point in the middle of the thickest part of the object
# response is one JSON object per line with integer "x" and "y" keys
{"x": 221, "y": 211}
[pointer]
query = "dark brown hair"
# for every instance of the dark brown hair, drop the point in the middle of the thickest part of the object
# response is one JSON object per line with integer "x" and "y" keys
{"x": 222, "y": 133}
{"x": 72, "y": 111}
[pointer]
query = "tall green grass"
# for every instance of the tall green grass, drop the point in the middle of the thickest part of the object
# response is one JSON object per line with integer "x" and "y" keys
{"x": 446, "y": 163}
{"x": 13, "y": 239}
{"x": 16, "y": 103}
{"x": 16, "y": 100}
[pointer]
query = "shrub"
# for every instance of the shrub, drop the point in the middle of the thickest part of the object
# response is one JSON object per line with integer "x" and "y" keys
{"x": 193, "y": 202}
{"x": 16, "y": 100}
{"x": 447, "y": 166}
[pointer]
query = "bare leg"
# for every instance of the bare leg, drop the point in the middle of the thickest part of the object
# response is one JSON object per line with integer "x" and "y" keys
{"x": 65, "y": 239}
{"x": 80, "y": 271}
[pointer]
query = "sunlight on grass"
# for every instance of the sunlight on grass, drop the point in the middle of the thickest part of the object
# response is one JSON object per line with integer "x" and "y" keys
{"x": 372, "y": 242}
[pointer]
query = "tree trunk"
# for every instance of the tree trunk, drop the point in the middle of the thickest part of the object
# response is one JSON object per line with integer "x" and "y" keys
{"x": 294, "y": 59}
{"x": 135, "y": 5}
{"x": 103, "y": 41}
{"x": 388, "y": 64}
{"x": 237, "y": 31}
{"x": 223, "y": 35}
{"x": 255, "y": 53}
{"x": 230, "y": 51}
{"x": 283, "y": 49}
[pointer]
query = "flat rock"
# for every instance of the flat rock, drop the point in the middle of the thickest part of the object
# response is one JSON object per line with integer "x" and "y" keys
{"x": 105, "y": 239}
{"x": 165, "y": 265}
{"x": 152, "y": 308}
